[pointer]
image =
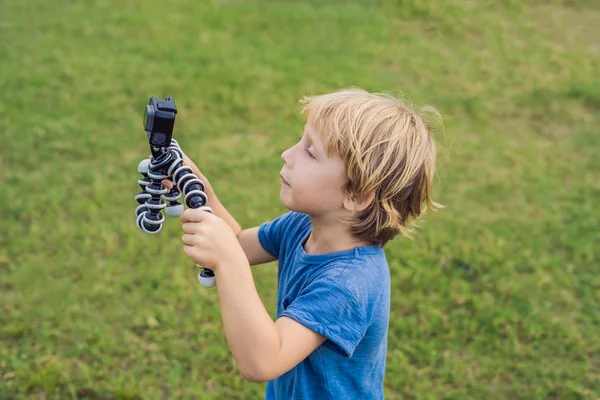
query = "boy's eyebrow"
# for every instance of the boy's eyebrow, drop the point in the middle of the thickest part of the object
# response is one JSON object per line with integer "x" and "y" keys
{"x": 308, "y": 129}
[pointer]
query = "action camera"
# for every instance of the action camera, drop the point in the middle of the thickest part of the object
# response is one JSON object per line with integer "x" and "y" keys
{"x": 159, "y": 120}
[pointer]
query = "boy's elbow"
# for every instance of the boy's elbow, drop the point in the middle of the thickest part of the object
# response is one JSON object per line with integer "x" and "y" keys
{"x": 253, "y": 377}
{"x": 259, "y": 374}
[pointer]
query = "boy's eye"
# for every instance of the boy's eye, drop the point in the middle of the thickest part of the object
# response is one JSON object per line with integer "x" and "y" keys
{"x": 310, "y": 154}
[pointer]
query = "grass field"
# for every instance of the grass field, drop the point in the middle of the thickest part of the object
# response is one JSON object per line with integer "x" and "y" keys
{"x": 498, "y": 296}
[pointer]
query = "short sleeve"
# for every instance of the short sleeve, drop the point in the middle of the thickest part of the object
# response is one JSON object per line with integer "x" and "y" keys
{"x": 329, "y": 308}
{"x": 270, "y": 234}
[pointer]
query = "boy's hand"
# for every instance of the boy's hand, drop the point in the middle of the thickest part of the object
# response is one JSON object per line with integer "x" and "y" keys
{"x": 209, "y": 241}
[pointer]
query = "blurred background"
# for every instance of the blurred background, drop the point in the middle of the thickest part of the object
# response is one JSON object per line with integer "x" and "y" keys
{"x": 498, "y": 295}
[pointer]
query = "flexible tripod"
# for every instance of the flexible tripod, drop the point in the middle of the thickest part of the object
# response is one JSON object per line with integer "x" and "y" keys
{"x": 167, "y": 163}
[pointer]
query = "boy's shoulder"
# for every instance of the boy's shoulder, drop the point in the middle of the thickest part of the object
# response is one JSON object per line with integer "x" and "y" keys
{"x": 367, "y": 271}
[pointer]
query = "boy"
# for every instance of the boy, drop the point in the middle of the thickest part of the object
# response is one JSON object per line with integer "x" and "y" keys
{"x": 360, "y": 175}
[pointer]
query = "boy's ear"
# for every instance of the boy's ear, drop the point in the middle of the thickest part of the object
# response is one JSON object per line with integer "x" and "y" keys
{"x": 359, "y": 204}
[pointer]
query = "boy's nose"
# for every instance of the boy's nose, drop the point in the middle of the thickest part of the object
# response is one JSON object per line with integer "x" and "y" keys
{"x": 285, "y": 156}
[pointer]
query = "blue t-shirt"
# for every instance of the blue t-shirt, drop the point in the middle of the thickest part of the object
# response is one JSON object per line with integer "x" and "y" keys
{"x": 344, "y": 296}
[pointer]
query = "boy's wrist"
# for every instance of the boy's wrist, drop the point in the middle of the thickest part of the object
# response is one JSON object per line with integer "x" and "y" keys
{"x": 234, "y": 261}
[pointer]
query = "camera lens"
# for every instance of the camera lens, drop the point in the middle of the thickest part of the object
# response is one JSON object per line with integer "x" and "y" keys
{"x": 148, "y": 118}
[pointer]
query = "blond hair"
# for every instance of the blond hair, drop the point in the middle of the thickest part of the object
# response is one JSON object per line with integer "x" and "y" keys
{"x": 389, "y": 153}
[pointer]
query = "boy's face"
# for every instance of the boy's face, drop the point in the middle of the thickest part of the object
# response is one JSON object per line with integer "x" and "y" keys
{"x": 312, "y": 182}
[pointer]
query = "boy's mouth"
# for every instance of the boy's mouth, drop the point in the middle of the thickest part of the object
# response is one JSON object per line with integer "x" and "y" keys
{"x": 283, "y": 180}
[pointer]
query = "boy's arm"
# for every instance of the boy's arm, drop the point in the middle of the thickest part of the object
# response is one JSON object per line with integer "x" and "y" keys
{"x": 263, "y": 349}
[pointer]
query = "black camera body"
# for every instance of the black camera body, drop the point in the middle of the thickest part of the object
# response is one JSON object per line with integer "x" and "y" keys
{"x": 159, "y": 120}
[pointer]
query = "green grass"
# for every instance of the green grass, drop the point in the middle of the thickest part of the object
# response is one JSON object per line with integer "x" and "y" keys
{"x": 497, "y": 297}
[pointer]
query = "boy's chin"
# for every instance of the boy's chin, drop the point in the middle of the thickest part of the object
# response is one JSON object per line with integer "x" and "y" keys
{"x": 287, "y": 203}
{"x": 284, "y": 198}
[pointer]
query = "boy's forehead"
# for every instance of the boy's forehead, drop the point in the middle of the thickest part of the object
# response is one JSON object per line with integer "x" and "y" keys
{"x": 312, "y": 133}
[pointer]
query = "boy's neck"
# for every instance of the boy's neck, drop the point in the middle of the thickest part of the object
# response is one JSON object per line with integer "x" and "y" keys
{"x": 330, "y": 238}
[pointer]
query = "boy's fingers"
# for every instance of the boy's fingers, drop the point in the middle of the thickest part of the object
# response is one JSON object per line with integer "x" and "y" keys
{"x": 191, "y": 252}
{"x": 188, "y": 239}
{"x": 192, "y": 215}
{"x": 195, "y": 215}
{"x": 168, "y": 184}
{"x": 189, "y": 227}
